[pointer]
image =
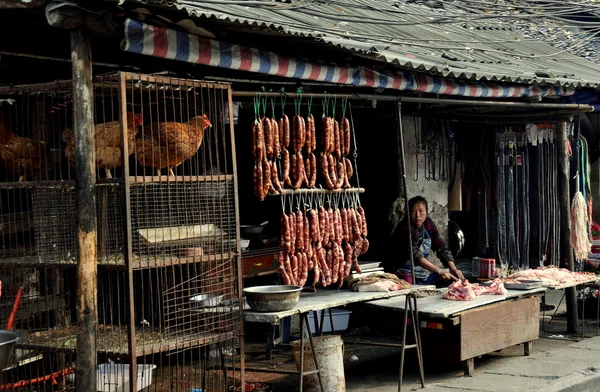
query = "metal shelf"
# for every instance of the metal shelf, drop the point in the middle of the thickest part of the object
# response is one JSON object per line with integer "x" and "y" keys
{"x": 113, "y": 340}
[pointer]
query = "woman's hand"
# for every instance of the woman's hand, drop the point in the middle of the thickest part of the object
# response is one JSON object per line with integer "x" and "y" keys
{"x": 447, "y": 275}
{"x": 456, "y": 272}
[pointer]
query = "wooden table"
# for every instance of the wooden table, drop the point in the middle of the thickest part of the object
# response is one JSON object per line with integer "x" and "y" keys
{"x": 463, "y": 330}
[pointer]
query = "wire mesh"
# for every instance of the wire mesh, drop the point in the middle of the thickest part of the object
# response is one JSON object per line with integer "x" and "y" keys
{"x": 166, "y": 225}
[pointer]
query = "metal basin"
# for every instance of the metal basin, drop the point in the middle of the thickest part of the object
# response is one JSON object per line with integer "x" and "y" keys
{"x": 272, "y": 298}
{"x": 8, "y": 339}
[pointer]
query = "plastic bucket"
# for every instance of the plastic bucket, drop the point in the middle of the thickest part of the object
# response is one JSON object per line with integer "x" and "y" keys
{"x": 330, "y": 357}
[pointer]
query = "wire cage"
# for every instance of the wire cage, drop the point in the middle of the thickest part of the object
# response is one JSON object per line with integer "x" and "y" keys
{"x": 166, "y": 212}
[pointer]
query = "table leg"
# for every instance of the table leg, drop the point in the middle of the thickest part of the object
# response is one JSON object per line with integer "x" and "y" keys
{"x": 527, "y": 346}
{"x": 331, "y": 321}
{"x": 301, "y": 352}
{"x": 470, "y": 367}
{"x": 270, "y": 342}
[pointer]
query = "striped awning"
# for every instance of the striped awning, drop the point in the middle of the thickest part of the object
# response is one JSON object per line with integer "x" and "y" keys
{"x": 157, "y": 41}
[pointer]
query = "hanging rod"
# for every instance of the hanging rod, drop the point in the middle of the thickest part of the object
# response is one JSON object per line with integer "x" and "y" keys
{"x": 395, "y": 98}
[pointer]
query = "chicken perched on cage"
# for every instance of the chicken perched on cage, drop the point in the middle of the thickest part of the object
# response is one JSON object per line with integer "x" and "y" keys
{"x": 169, "y": 144}
{"x": 22, "y": 156}
{"x": 108, "y": 142}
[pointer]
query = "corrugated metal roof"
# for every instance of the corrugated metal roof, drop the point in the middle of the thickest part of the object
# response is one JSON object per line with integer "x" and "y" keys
{"x": 410, "y": 36}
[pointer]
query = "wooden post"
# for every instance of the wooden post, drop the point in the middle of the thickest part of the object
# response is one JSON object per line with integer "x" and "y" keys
{"x": 403, "y": 179}
{"x": 85, "y": 167}
{"x": 564, "y": 197}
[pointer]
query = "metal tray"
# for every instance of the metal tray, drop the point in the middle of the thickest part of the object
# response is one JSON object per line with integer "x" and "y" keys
{"x": 525, "y": 285}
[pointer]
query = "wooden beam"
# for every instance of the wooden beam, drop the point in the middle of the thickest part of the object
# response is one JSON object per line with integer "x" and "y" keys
{"x": 85, "y": 167}
{"x": 564, "y": 199}
{"x": 69, "y": 17}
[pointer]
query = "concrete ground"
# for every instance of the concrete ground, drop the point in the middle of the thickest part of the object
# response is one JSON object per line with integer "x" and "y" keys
{"x": 558, "y": 362}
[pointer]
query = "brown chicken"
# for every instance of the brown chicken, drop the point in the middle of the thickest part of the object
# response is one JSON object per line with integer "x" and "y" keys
{"x": 108, "y": 142}
{"x": 22, "y": 156}
{"x": 169, "y": 144}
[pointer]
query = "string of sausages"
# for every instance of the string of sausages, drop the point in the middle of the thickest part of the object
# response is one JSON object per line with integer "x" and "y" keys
{"x": 326, "y": 241}
{"x": 270, "y": 147}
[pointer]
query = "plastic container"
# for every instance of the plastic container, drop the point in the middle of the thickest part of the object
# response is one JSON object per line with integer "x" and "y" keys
{"x": 340, "y": 320}
{"x": 330, "y": 357}
{"x": 114, "y": 377}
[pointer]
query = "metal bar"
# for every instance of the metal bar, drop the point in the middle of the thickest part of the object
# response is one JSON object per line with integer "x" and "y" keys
{"x": 237, "y": 236}
{"x": 403, "y": 179}
{"x": 172, "y": 81}
{"x": 35, "y": 56}
{"x": 566, "y": 251}
{"x": 374, "y": 97}
{"x": 154, "y": 179}
{"x": 318, "y": 191}
{"x": 128, "y": 251}
{"x": 301, "y": 381}
{"x": 85, "y": 167}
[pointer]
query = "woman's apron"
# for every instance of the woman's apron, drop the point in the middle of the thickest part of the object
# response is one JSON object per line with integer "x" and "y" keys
{"x": 424, "y": 276}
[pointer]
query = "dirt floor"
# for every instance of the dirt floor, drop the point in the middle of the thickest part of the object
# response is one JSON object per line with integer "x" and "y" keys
{"x": 377, "y": 368}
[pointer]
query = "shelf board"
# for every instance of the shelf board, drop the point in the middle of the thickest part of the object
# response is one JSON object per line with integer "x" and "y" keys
{"x": 118, "y": 261}
{"x": 113, "y": 339}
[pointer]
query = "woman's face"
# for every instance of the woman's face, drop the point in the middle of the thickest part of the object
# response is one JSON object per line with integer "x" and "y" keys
{"x": 418, "y": 214}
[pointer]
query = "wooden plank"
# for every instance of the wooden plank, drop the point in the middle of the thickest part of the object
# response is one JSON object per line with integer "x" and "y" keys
{"x": 494, "y": 327}
{"x": 325, "y": 299}
{"x": 438, "y": 307}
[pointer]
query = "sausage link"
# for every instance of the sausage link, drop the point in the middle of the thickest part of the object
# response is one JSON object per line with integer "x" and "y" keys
{"x": 281, "y": 128}
{"x": 341, "y": 175}
{"x": 322, "y": 258}
{"x": 267, "y": 126}
{"x": 308, "y": 142}
{"x": 365, "y": 246}
{"x": 285, "y": 233}
{"x": 346, "y": 135}
{"x": 332, "y": 170}
{"x": 324, "y": 136}
{"x": 322, "y": 224}
{"x": 348, "y": 253}
{"x": 295, "y": 267}
{"x": 282, "y": 270}
{"x": 266, "y": 178}
{"x": 257, "y": 180}
{"x": 335, "y": 255}
{"x": 356, "y": 228}
{"x": 338, "y": 226}
{"x": 341, "y": 267}
{"x": 307, "y": 171}
{"x": 306, "y": 233}
{"x": 331, "y": 218}
{"x": 337, "y": 149}
{"x": 297, "y": 141}
{"x": 361, "y": 211}
{"x": 355, "y": 264}
{"x": 344, "y": 216}
{"x": 359, "y": 223}
{"x": 299, "y": 174}
{"x": 292, "y": 219}
{"x": 304, "y": 269}
{"x": 349, "y": 169}
{"x": 313, "y": 132}
{"x": 302, "y": 132}
{"x": 317, "y": 269}
{"x": 330, "y": 266}
{"x": 285, "y": 158}
{"x": 358, "y": 245}
{"x": 325, "y": 171}
{"x": 275, "y": 178}
{"x": 294, "y": 170}
{"x": 276, "y": 140}
{"x": 309, "y": 254}
{"x": 312, "y": 180}
{"x": 286, "y": 131}
{"x": 260, "y": 142}
{"x": 314, "y": 226}
{"x": 345, "y": 173}
{"x": 299, "y": 230}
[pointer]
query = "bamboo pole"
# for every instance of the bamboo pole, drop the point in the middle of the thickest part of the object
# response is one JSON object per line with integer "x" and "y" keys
{"x": 85, "y": 167}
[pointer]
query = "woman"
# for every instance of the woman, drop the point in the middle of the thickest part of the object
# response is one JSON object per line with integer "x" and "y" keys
{"x": 425, "y": 239}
